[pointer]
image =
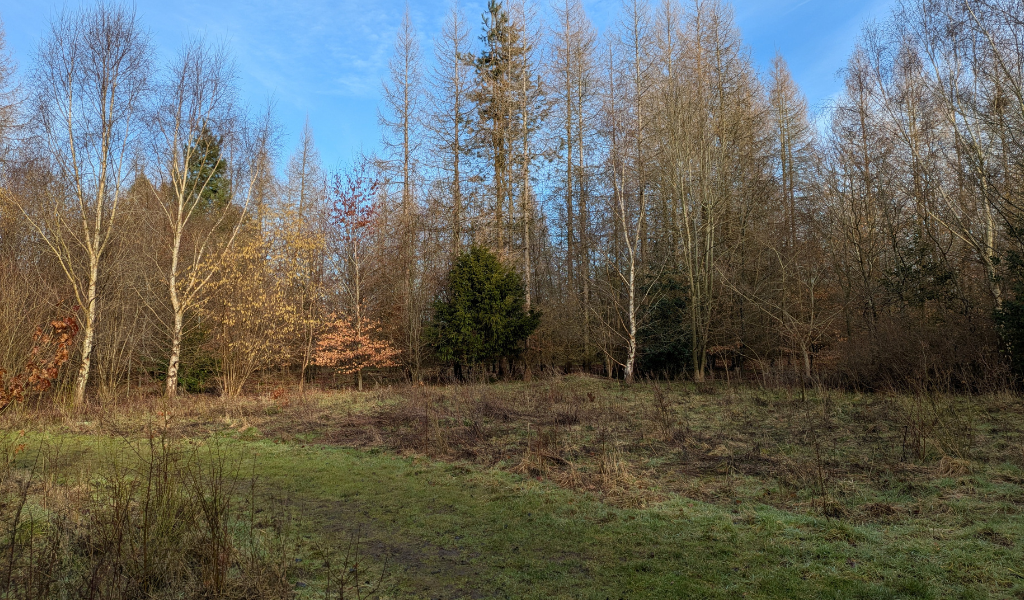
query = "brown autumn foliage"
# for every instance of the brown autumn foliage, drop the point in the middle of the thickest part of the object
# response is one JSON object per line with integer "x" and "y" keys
{"x": 50, "y": 351}
{"x": 352, "y": 345}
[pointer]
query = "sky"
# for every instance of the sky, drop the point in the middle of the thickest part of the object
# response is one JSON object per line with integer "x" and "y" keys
{"x": 324, "y": 59}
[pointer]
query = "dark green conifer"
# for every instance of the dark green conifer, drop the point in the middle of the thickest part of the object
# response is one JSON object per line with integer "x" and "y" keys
{"x": 480, "y": 316}
{"x": 207, "y": 174}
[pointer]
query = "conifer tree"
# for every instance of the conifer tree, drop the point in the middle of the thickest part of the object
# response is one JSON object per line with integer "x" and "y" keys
{"x": 481, "y": 315}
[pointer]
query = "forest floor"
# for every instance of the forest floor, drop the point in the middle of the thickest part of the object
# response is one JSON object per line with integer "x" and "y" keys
{"x": 579, "y": 487}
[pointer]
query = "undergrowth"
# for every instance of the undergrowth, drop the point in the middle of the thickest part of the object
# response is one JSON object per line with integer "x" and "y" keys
{"x": 152, "y": 516}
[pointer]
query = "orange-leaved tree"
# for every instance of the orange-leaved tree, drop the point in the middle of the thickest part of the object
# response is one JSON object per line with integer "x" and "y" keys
{"x": 352, "y": 344}
{"x": 352, "y": 341}
{"x": 250, "y": 317}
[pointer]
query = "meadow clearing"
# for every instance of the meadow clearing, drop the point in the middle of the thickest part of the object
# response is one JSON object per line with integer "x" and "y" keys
{"x": 568, "y": 487}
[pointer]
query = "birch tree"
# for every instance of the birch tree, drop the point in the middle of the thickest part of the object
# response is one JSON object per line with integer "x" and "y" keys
{"x": 193, "y": 184}
{"x": 90, "y": 85}
{"x": 629, "y": 85}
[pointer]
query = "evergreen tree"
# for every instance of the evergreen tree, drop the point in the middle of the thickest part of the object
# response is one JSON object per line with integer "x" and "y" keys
{"x": 663, "y": 336}
{"x": 1009, "y": 317}
{"x": 207, "y": 174}
{"x": 507, "y": 98}
{"x": 480, "y": 316}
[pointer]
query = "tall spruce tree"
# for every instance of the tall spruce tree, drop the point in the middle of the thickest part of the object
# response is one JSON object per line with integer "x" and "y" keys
{"x": 207, "y": 181}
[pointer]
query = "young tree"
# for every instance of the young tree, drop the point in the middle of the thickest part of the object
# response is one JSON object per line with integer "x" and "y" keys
{"x": 50, "y": 350}
{"x": 353, "y": 344}
{"x": 481, "y": 315}
{"x": 248, "y": 311}
{"x": 355, "y": 223}
{"x": 90, "y": 83}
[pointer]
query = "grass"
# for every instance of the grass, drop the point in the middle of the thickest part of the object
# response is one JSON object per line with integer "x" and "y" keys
{"x": 580, "y": 488}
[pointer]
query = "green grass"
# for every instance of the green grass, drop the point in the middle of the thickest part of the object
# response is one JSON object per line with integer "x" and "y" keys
{"x": 493, "y": 534}
{"x": 452, "y": 528}
{"x": 457, "y": 531}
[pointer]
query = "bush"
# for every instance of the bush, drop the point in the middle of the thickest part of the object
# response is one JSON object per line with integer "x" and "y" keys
{"x": 481, "y": 315}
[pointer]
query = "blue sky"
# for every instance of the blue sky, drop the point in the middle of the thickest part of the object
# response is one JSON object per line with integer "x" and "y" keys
{"x": 326, "y": 58}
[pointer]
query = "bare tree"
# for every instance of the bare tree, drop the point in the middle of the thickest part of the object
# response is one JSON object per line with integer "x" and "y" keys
{"x": 709, "y": 156}
{"x": 403, "y": 99}
{"x": 792, "y": 140}
{"x": 303, "y": 229}
{"x": 629, "y": 87}
{"x": 198, "y": 136}
{"x": 531, "y": 113}
{"x": 10, "y": 95}
{"x": 355, "y": 221}
{"x": 575, "y": 89}
{"x": 90, "y": 85}
{"x": 970, "y": 68}
{"x": 451, "y": 111}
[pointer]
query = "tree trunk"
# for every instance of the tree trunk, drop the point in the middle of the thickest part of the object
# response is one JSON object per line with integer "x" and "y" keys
{"x": 175, "y": 359}
{"x": 306, "y": 357}
{"x": 88, "y": 338}
{"x": 88, "y": 333}
{"x": 631, "y": 344}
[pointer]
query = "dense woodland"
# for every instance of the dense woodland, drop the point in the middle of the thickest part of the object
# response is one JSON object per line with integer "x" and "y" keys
{"x": 665, "y": 208}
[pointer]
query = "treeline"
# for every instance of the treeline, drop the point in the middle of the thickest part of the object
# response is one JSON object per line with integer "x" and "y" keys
{"x": 672, "y": 210}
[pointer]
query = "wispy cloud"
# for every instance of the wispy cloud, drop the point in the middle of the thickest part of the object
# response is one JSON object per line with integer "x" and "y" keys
{"x": 326, "y": 58}
{"x": 795, "y": 6}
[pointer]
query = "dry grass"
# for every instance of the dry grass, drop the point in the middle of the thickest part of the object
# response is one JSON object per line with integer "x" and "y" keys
{"x": 858, "y": 467}
{"x": 815, "y": 450}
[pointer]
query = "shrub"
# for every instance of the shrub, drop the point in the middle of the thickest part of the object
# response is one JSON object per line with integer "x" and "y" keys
{"x": 481, "y": 315}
